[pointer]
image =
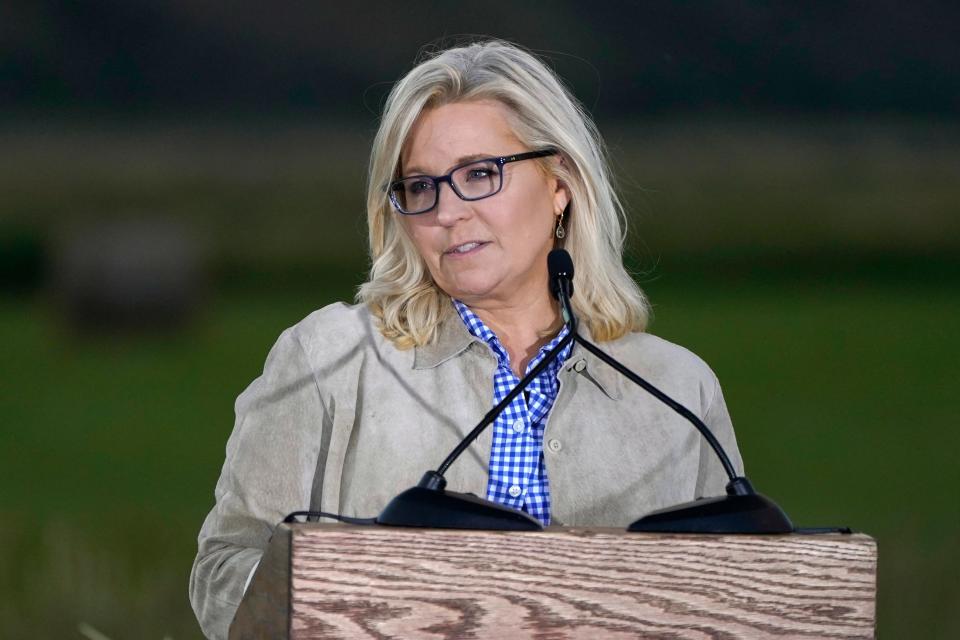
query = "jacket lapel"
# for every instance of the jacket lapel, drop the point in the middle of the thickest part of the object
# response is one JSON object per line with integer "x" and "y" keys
{"x": 453, "y": 338}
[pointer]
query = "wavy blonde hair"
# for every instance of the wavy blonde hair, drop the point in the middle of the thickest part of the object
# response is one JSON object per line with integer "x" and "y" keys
{"x": 400, "y": 292}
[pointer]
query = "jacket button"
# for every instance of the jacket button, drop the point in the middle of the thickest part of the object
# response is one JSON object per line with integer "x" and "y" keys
{"x": 554, "y": 445}
{"x": 580, "y": 366}
{"x": 518, "y": 425}
{"x": 514, "y": 491}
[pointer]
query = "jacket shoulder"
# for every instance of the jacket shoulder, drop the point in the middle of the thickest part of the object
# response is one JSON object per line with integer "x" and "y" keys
{"x": 338, "y": 332}
{"x": 338, "y": 321}
{"x": 674, "y": 369}
{"x": 660, "y": 355}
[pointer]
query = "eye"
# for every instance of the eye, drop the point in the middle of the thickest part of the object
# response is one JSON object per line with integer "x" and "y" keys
{"x": 417, "y": 186}
{"x": 478, "y": 174}
{"x": 481, "y": 172}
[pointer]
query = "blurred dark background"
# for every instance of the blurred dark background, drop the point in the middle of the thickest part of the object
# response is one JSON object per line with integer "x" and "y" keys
{"x": 183, "y": 180}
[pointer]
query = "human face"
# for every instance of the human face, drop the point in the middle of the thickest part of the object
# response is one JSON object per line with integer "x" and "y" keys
{"x": 487, "y": 252}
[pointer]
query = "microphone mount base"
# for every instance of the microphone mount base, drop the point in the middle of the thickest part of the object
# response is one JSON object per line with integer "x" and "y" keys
{"x": 735, "y": 513}
{"x": 428, "y": 505}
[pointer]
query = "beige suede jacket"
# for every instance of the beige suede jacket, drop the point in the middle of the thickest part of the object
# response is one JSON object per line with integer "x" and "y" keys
{"x": 341, "y": 421}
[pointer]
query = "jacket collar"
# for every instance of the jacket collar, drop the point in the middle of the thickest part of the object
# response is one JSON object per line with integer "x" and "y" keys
{"x": 453, "y": 338}
{"x": 582, "y": 362}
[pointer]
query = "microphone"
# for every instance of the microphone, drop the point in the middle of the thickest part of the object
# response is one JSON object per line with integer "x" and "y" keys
{"x": 742, "y": 510}
{"x": 560, "y": 268}
{"x": 429, "y": 505}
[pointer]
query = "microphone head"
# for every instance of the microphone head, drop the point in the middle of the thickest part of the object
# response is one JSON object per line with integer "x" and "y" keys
{"x": 560, "y": 264}
{"x": 560, "y": 268}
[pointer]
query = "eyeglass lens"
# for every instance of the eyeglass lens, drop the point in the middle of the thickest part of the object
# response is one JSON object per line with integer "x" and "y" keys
{"x": 470, "y": 182}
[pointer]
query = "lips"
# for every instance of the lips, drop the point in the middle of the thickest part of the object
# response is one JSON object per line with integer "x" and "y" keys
{"x": 465, "y": 247}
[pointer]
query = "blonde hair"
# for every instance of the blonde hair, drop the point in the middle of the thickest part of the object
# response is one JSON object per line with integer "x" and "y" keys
{"x": 400, "y": 291}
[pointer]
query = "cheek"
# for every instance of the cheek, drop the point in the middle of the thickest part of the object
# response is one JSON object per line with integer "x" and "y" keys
{"x": 536, "y": 195}
{"x": 420, "y": 237}
{"x": 424, "y": 240}
{"x": 534, "y": 216}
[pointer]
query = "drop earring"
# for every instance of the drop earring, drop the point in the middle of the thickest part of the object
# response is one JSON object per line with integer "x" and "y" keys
{"x": 560, "y": 232}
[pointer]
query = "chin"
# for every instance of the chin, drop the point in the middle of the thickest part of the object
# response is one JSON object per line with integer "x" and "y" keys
{"x": 471, "y": 291}
{"x": 460, "y": 283}
{"x": 471, "y": 297}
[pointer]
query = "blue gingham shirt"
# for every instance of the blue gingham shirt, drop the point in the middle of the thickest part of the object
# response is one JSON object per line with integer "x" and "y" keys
{"x": 517, "y": 474}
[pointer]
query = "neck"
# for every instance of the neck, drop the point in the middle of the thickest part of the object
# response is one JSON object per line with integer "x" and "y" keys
{"x": 522, "y": 328}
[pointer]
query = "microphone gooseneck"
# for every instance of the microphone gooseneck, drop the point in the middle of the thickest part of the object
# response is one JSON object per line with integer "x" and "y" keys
{"x": 738, "y": 485}
{"x": 742, "y": 510}
{"x": 429, "y": 504}
{"x": 503, "y": 404}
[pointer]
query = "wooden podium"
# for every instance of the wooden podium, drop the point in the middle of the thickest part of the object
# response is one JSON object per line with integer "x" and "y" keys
{"x": 343, "y": 581}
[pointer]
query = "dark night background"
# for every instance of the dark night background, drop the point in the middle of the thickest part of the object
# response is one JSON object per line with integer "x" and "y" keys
{"x": 183, "y": 180}
{"x": 647, "y": 58}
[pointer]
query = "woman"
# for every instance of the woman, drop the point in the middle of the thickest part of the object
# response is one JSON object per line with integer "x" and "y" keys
{"x": 483, "y": 163}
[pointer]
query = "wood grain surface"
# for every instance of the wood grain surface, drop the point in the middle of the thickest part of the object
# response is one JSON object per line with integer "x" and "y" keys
{"x": 378, "y": 582}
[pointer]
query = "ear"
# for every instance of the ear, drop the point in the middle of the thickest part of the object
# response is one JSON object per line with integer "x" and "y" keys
{"x": 561, "y": 192}
{"x": 561, "y": 196}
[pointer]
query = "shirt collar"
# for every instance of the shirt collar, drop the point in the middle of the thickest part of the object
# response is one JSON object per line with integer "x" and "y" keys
{"x": 477, "y": 328}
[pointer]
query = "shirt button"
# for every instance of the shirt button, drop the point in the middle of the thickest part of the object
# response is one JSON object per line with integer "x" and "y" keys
{"x": 554, "y": 445}
{"x": 514, "y": 491}
{"x": 580, "y": 366}
{"x": 518, "y": 425}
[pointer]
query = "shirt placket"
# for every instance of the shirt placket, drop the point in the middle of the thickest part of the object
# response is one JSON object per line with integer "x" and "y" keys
{"x": 517, "y": 473}
{"x": 511, "y": 450}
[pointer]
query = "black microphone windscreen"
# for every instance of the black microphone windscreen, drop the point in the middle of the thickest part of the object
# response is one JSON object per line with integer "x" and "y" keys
{"x": 560, "y": 268}
{"x": 559, "y": 264}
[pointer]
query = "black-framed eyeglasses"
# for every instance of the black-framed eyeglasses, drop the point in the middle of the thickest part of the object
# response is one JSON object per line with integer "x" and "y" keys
{"x": 474, "y": 180}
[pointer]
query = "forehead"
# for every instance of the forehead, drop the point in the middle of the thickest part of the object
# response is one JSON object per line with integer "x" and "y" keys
{"x": 446, "y": 135}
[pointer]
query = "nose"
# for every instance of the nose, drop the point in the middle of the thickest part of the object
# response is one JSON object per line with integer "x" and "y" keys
{"x": 450, "y": 207}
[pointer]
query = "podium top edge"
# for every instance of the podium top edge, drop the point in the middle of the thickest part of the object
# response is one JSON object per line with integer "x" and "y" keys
{"x": 305, "y": 527}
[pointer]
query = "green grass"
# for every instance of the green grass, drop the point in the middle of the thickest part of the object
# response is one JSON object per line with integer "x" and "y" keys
{"x": 843, "y": 394}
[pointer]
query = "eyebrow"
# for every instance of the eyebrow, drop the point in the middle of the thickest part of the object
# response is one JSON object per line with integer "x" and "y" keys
{"x": 417, "y": 171}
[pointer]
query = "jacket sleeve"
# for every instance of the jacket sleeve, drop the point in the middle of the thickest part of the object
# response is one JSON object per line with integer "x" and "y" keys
{"x": 272, "y": 461}
{"x": 712, "y": 479}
